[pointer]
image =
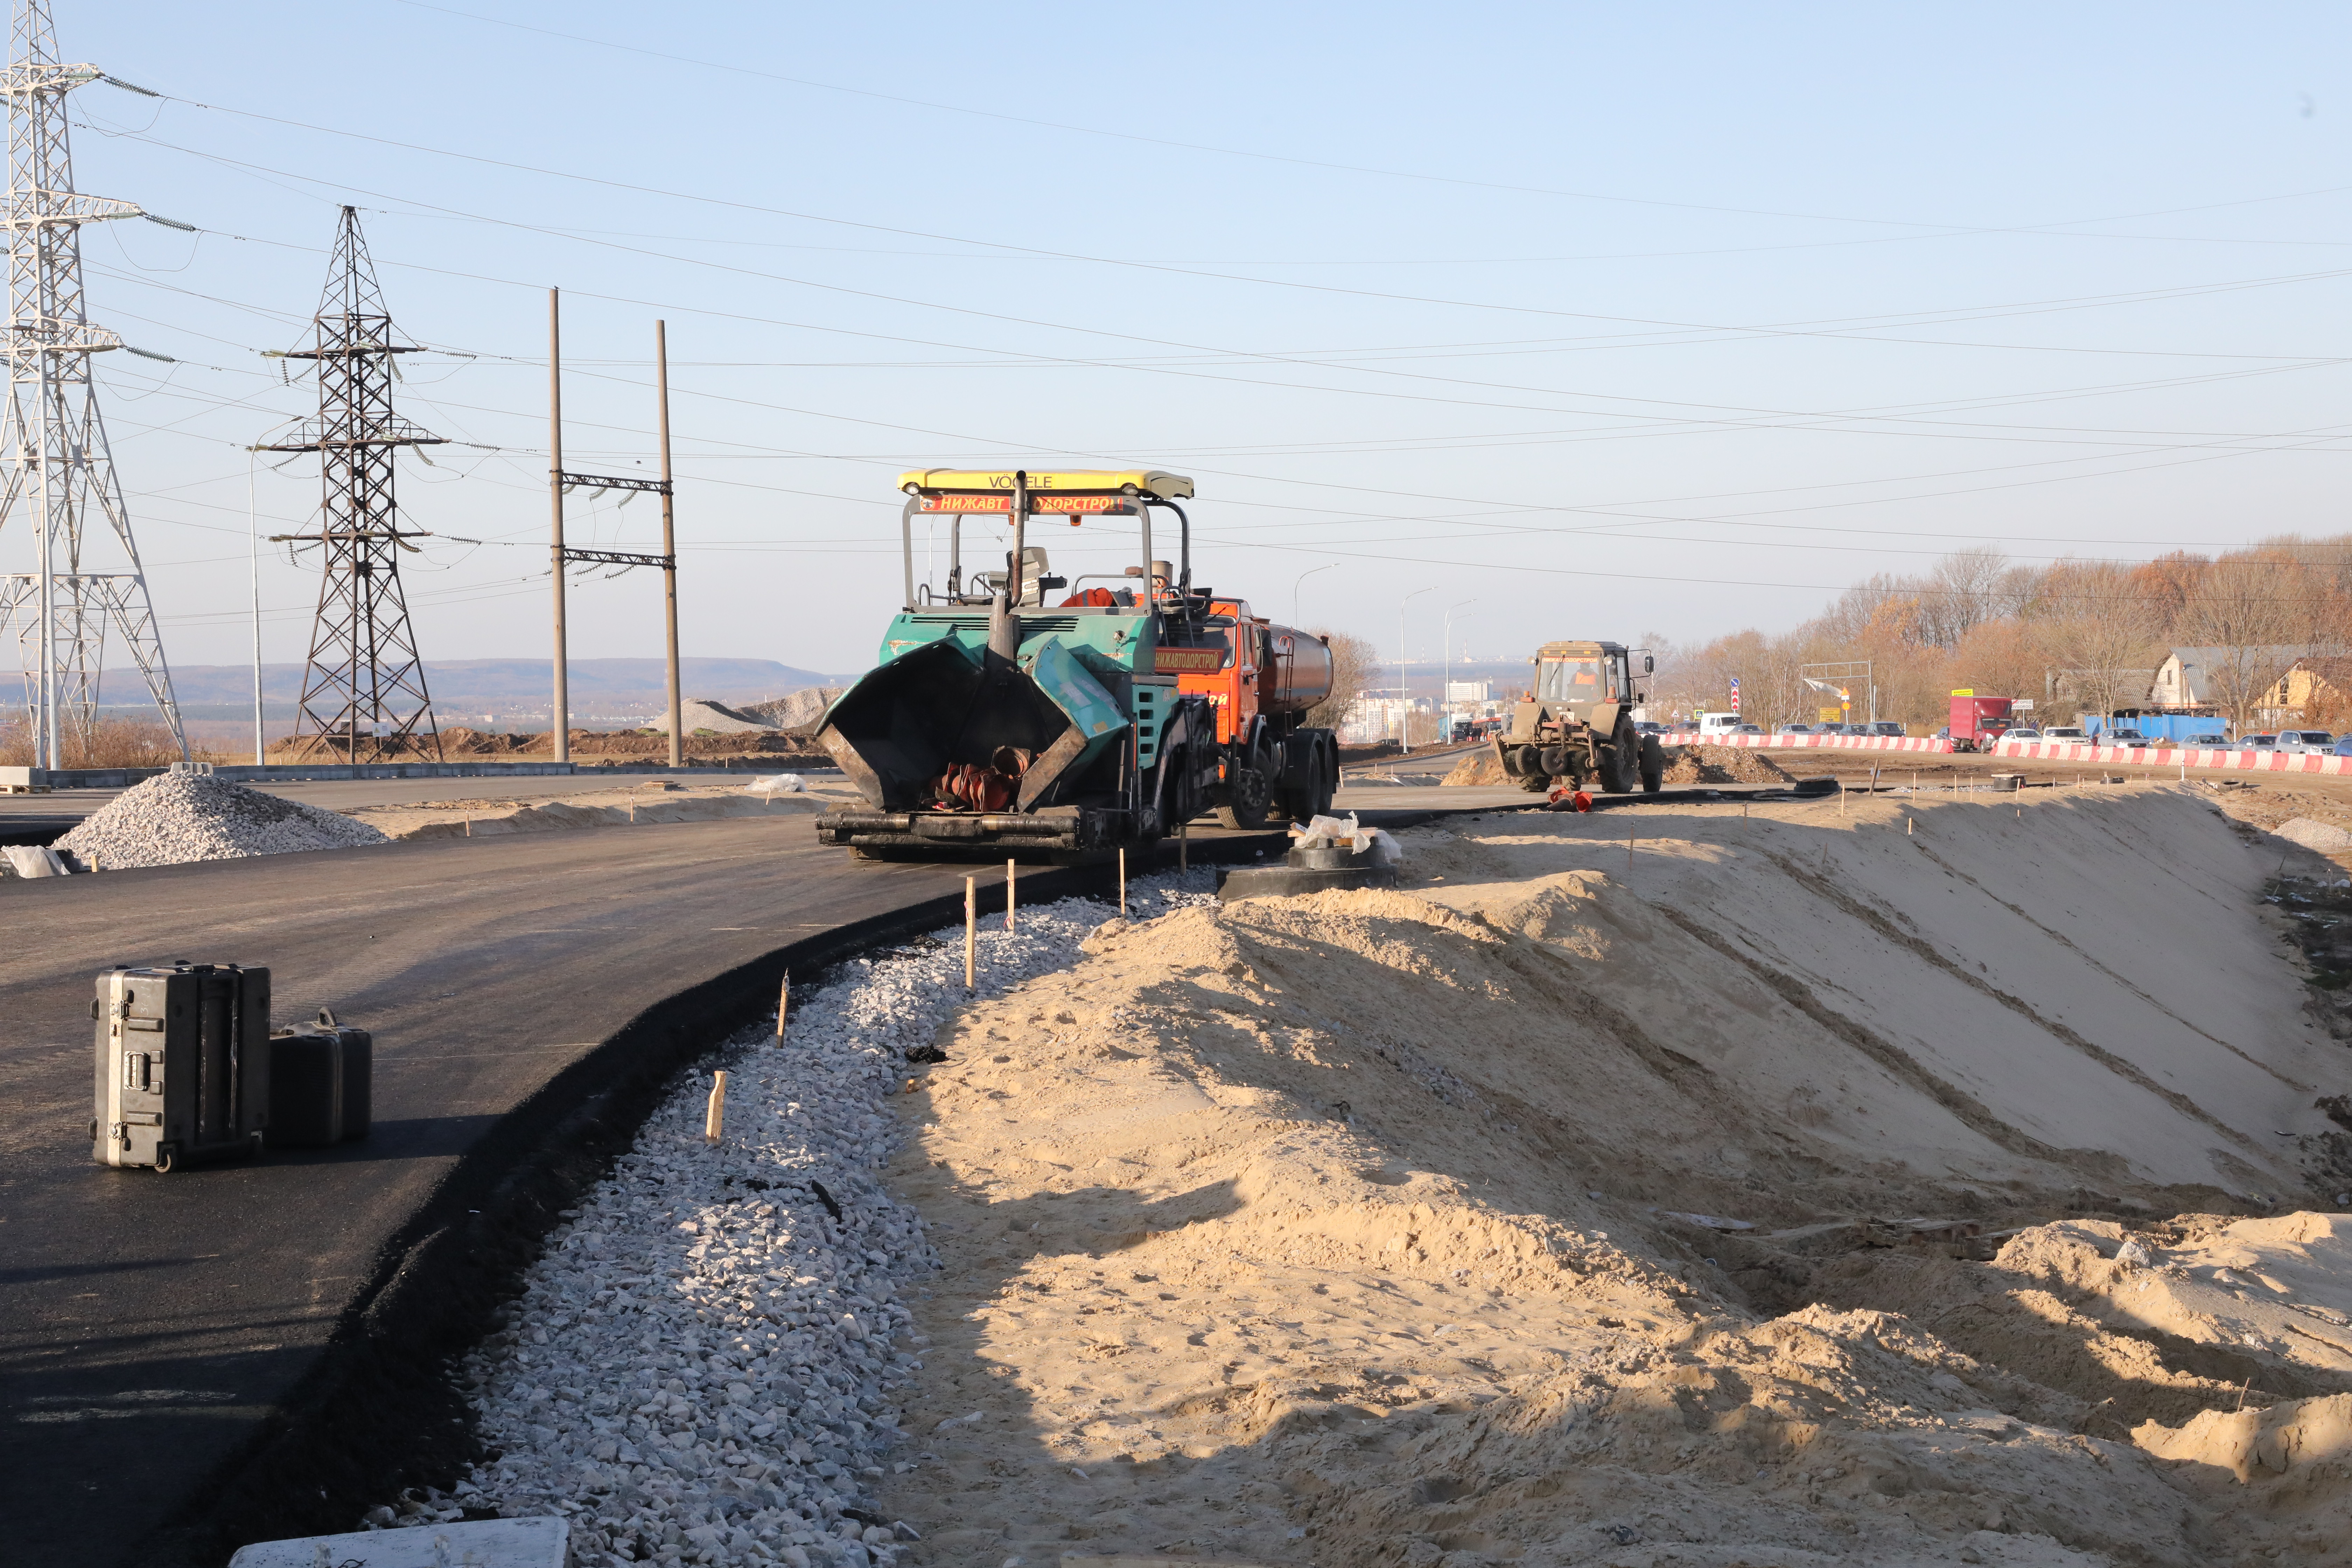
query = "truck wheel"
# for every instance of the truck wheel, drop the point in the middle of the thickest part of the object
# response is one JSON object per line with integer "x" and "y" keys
{"x": 1654, "y": 764}
{"x": 1534, "y": 783}
{"x": 1245, "y": 799}
{"x": 1327, "y": 771}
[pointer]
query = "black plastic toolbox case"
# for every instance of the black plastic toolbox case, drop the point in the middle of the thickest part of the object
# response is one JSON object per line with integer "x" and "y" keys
{"x": 319, "y": 1083}
{"x": 182, "y": 1064}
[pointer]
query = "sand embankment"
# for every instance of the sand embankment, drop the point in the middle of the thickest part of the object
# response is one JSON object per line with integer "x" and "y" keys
{"x": 1804, "y": 1189}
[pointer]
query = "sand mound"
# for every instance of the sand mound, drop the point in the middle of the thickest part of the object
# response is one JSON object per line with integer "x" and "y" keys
{"x": 1385, "y": 1215}
{"x": 1482, "y": 767}
{"x": 1722, "y": 765}
{"x": 173, "y": 818}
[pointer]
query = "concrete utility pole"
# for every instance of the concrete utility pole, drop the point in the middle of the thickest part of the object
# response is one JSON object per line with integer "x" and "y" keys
{"x": 669, "y": 548}
{"x": 560, "y": 480}
{"x": 555, "y": 506}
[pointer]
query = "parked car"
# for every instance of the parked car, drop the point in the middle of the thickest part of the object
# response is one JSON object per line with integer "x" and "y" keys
{"x": 1648, "y": 728}
{"x": 2066, "y": 734}
{"x": 2258, "y": 744}
{"x": 2030, "y": 736}
{"x": 2343, "y": 745}
{"x": 1884, "y": 727}
{"x": 2206, "y": 739}
{"x": 1796, "y": 730}
{"x": 1748, "y": 730}
{"x": 2317, "y": 742}
{"x": 2129, "y": 740}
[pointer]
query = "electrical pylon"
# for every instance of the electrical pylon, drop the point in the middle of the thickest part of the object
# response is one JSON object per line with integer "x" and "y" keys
{"x": 364, "y": 693}
{"x": 60, "y": 469}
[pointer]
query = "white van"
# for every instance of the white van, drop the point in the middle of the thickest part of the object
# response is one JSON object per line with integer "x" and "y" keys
{"x": 1718, "y": 724}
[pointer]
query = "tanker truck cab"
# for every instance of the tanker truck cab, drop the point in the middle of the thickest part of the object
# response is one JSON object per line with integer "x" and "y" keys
{"x": 1574, "y": 727}
{"x": 1015, "y": 708}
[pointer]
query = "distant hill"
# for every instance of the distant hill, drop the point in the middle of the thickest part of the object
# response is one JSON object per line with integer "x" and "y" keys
{"x": 510, "y": 682}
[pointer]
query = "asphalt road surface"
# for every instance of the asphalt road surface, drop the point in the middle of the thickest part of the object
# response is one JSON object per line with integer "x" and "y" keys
{"x": 150, "y": 1324}
{"x": 151, "y": 1327}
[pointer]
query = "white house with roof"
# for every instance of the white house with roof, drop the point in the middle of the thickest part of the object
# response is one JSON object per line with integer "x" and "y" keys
{"x": 2206, "y": 676}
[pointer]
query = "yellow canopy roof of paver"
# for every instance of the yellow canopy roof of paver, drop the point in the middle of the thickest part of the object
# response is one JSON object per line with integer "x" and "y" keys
{"x": 1151, "y": 481}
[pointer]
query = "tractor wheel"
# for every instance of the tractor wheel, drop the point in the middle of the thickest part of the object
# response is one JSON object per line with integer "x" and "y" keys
{"x": 1245, "y": 799}
{"x": 1534, "y": 783}
{"x": 1654, "y": 764}
{"x": 1621, "y": 762}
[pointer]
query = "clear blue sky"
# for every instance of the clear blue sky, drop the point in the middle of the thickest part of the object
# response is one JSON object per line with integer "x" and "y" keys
{"x": 1607, "y": 318}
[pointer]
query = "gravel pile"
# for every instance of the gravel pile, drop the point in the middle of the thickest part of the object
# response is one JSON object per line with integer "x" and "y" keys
{"x": 173, "y": 818}
{"x": 702, "y": 1364}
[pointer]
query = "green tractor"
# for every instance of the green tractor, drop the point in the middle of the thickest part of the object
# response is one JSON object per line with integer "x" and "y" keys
{"x": 1575, "y": 729}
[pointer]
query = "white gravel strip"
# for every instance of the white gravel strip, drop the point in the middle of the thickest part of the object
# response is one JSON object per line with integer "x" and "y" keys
{"x": 700, "y": 1369}
{"x": 173, "y": 818}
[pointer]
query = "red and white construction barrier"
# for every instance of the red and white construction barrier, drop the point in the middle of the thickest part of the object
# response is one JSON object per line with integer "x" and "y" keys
{"x": 1838, "y": 742}
{"x": 2149, "y": 756}
{"x": 2157, "y": 756}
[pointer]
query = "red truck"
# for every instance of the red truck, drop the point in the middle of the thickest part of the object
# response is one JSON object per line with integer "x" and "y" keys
{"x": 1977, "y": 721}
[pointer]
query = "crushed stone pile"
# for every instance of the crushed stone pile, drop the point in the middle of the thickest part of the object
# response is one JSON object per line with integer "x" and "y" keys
{"x": 2312, "y": 833}
{"x": 795, "y": 709}
{"x": 173, "y": 818}
{"x": 706, "y": 1364}
{"x": 699, "y": 713}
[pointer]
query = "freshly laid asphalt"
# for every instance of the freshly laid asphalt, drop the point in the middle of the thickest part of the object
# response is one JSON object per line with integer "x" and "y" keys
{"x": 149, "y": 1326}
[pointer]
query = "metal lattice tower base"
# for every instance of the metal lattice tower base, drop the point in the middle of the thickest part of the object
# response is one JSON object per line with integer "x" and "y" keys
{"x": 85, "y": 581}
{"x": 363, "y": 694}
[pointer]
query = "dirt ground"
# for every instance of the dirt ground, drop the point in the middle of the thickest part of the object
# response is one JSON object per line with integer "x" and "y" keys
{"x": 563, "y": 807}
{"x": 1884, "y": 1181}
{"x": 592, "y": 745}
{"x": 1684, "y": 766}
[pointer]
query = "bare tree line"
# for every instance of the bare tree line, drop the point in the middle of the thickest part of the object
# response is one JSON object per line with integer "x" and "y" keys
{"x": 2089, "y": 632}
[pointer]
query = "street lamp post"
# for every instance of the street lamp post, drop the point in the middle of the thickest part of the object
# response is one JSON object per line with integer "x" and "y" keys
{"x": 1445, "y": 693}
{"x": 1295, "y": 586}
{"x": 1405, "y": 690}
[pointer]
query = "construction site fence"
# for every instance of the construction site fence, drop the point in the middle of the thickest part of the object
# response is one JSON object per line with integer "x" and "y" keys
{"x": 2155, "y": 755}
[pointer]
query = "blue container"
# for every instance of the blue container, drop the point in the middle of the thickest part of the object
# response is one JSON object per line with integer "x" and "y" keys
{"x": 2170, "y": 729}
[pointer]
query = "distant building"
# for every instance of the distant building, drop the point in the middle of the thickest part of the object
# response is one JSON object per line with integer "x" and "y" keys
{"x": 1376, "y": 719}
{"x": 1459, "y": 692}
{"x": 2317, "y": 689}
{"x": 2202, "y": 677}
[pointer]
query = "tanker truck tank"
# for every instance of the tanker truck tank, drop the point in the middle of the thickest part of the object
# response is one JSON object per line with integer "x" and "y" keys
{"x": 1298, "y": 673}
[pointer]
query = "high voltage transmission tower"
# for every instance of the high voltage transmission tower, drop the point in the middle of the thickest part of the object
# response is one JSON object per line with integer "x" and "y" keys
{"x": 364, "y": 693}
{"x": 60, "y": 473}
